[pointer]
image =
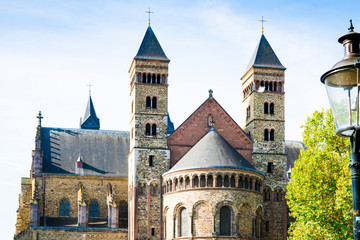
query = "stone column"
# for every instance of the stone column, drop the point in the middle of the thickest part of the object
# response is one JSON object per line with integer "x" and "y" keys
{"x": 34, "y": 213}
{"x": 82, "y": 215}
{"x": 214, "y": 181}
{"x": 113, "y": 216}
{"x": 237, "y": 181}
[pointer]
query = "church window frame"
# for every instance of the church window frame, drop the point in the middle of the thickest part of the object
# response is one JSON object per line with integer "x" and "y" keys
{"x": 271, "y": 108}
{"x": 154, "y": 130}
{"x": 266, "y": 194}
{"x": 270, "y": 166}
{"x": 183, "y": 228}
{"x": 219, "y": 181}
{"x": 210, "y": 181}
{"x": 266, "y": 108}
{"x": 64, "y": 208}
{"x": 151, "y": 160}
{"x": 148, "y": 102}
{"x": 202, "y": 181}
{"x": 147, "y": 129}
{"x": 226, "y": 181}
{"x": 154, "y": 103}
{"x": 94, "y": 209}
{"x": 232, "y": 181}
{"x": 123, "y": 214}
{"x": 187, "y": 182}
{"x": 272, "y": 135}
{"x": 196, "y": 181}
{"x": 143, "y": 78}
{"x": 266, "y": 135}
{"x": 158, "y": 79}
{"x": 225, "y": 220}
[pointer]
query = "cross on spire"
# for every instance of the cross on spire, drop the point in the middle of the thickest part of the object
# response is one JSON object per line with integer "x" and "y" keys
{"x": 40, "y": 117}
{"x": 149, "y": 12}
{"x": 262, "y": 23}
{"x": 90, "y": 85}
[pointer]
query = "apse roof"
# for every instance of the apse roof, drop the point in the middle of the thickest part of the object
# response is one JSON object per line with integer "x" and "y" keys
{"x": 150, "y": 48}
{"x": 212, "y": 151}
{"x": 264, "y": 56}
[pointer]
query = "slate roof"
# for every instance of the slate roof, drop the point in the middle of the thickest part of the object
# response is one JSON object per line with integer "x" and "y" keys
{"x": 104, "y": 153}
{"x": 170, "y": 124}
{"x": 90, "y": 120}
{"x": 212, "y": 151}
{"x": 264, "y": 56}
{"x": 150, "y": 48}
{"x": 292, "y": 150}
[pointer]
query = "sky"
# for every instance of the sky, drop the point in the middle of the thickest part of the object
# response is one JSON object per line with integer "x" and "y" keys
{"x": 50, "y": 50}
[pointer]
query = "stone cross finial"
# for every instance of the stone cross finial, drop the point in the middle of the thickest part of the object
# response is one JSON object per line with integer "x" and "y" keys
{"x": 210, "y": 92}
{"x": 39, "y": 117}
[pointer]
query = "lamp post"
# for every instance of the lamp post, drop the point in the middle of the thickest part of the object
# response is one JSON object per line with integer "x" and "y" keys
{"x": 342, "y": 85}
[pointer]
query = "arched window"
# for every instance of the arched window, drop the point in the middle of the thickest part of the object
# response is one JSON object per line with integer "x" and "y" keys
{"x": 94, "y": 209}
{"x": 149, "y": 78}
{"x": 272, "y": 132}
{"x": 123, "y": 214}
{"x": 144, "y": 78}
{"x": 275, "y": 87}
{"x": 247, "y": 185}
{"x": 153, "y": 130}
{"x": 202, "y": 181}
{"x": 153, "y": 78}
{"x": 226, "y": 181}
{"x": 210, "y": 181}
{"x": 219, "y": 181}
{"x": 270, "y": 87}
{"x": 148, "y": 102}
{"x": 196, "y": 181}
{"x": 241, "y": 182}
{"x": 64, "y": 208}
{"x": 266, "y": 194}
{"x": 154, "y": 190}
{"x": 154, "y": 102}
{"x": 266, "y": 135}
{"x": 147, "y": 129}
{"x": 225, "y": 221}
{"x": 266, "y": 86}
{"x": 271, "y": 108}
{"x": 266, "y": 108}
{"x": 232, "y": 181}
{"x": 158, "y": 79}
{"x": 183, "y": 222}
{"x": 187, "y": 182}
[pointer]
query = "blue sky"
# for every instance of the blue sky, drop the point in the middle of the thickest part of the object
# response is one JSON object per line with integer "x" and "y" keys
{"x": 50, "y": 50}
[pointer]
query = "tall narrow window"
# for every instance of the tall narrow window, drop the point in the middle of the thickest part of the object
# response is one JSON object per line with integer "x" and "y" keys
{"x": 183, "y": 222}
{"x": 266, "y": 135}
{"x": 210, "y": 181}
{"x": 148, "y": 102}
{"x": 153, "y": 78}
{"x": 123, "y": 214}
{"x": 153, "y": 130}
{"x": 266, "y": 86}
{"x": 151, "y": 161}
{"x": 196, "y": 181}
{"x": 219, "y": 181}
{"x": 266, "y": 108}
{"x": 202, "y": 181}
{"x": 154, "y": 102}
{"x": 144, "y": 78}
{"x": 272, "y": 133}
{"x": 270, "y": 87}
{"x": 149, "y": 78}
{"x": 147, "y": 129}
{"x": 275, "y": 87}
{"x": 64, "y": 208}
{"x": 271, "y": 108}
{"x": 94, "y": 209}
{"x": 226, "y": 181}
{"x": 158, "y": 79}
{"x": 225, "y": 221}
{"x": 269, "y": 167}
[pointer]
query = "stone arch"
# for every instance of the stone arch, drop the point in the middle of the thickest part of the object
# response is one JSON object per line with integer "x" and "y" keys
{"x": 228, "y": 221}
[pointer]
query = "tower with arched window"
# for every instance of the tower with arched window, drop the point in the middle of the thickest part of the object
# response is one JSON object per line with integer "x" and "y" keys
{"x": 149, "y": 154}
{"x": 264, "y": 105}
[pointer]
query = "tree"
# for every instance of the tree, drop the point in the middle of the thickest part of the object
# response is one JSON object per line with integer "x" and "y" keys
{"x": 319, "y": 192}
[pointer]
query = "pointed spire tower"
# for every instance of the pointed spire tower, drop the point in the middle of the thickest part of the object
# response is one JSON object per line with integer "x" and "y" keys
{"x": 264, "y": 107}
{"x": 149, "y": 155}
{"x": 90, "y": 120}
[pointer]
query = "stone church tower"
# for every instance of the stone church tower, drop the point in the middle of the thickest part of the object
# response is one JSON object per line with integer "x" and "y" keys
{"x": 263, "y": 106}
{"x": 149, "y": 155}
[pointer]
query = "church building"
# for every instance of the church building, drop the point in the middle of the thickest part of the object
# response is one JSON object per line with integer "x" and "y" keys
{"x": 209, "y": 178}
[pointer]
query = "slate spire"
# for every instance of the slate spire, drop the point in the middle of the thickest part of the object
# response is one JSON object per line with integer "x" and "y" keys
{"x": 264, "y": 56}
{"x": 150, "y": 48}
{"x": 90, "y": 120}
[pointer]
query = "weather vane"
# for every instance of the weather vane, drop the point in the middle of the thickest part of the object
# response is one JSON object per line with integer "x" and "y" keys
{"x": 149, "y": 12}
{"x": 90, "y": 85}
{"x": 262, "y": 23}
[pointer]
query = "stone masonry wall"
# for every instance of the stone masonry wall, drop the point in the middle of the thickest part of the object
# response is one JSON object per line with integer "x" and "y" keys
{"x": 23, "y": 212}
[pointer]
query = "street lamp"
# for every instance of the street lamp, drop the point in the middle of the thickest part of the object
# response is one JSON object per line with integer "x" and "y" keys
{"x": 342, "y": 86}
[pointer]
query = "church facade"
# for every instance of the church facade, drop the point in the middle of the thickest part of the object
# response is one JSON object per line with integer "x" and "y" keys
{"x": 207, "y": 179}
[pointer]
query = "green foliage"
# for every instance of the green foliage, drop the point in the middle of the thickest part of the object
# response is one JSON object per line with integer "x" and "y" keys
{"x": 319, "y": 192}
